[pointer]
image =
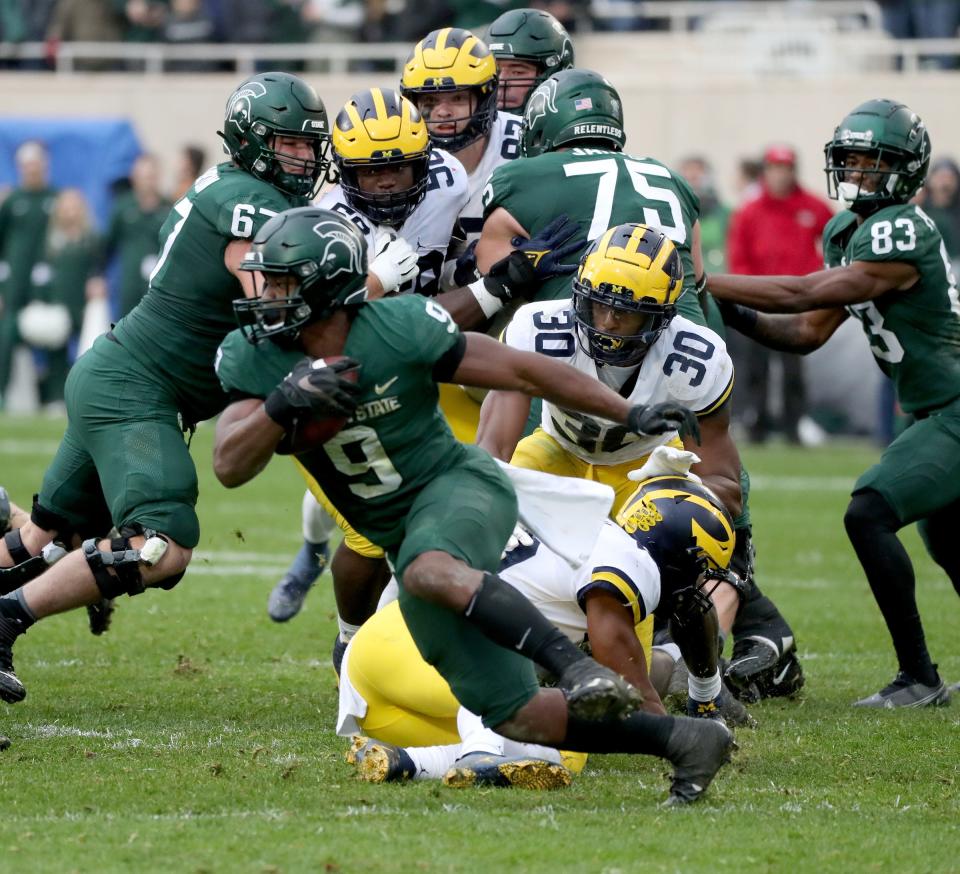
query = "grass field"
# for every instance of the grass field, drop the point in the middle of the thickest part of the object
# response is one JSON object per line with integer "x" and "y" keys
{"x": 197, "y": 736}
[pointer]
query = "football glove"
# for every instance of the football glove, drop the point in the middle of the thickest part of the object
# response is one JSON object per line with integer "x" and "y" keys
{"x": 465, "y": 271}
{"x": 667, "y": 461}
{"x": 313, "y": 389}
{"x": 649, "y": 421}
{"x": 548, "y": 249}
{"x": 520, "y": 537}
{"x": 395, "y": 262}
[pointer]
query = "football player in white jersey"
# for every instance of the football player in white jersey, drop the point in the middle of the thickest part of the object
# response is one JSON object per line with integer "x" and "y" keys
{"x": 670, "y": 548}
{"x": 451, "y": 76}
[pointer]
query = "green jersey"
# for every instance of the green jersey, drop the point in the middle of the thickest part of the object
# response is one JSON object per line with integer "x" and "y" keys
{"x": 914, "y": 334}
{"x": 397, "y": 441}
{"x": 599, "y": 188}
{"x": 133, "y": 235}
{"x": 187, "y": 311}
{"x": 23, "y": 230}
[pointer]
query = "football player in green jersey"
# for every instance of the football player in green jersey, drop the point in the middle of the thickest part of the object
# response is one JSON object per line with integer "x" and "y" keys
{"x": 573, "y": 138}
{"x": 888, "y": 268}
{"x": 442, "y": 510}
{"x": 528, "y": 45}
{"x": 123, "y": 461}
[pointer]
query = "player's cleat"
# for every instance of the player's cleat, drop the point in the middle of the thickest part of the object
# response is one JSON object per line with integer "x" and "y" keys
{"x": 287, "y": 597}
{"x": 339, "y": 648}
{"x": 698, "y": 748}
{"x": 11, "y": 689}
{"x": 596, "y": 693}
{"x": 705, "y": 709}
{"x": 379, "y": 762}
{"x": 764, "y": 665}
{"x": 904, "y": 691}
{"x": 4, "y": 743}
{"x": 524, "y": 772}
{"x": 100, "y": 614}
{"x": 724, "y": 708}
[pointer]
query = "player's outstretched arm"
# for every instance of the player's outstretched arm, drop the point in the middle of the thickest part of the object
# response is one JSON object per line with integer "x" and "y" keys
{"x": 799, "y": 332}
{"x": 615, "y": 644}
{"x": 245, "y": 442}
{"x": 503, "y": 417}
{"x": 489, "y": 364}
{"x": 840, "y": 286}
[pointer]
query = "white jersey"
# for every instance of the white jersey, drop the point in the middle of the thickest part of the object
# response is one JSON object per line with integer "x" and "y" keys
{"x": 618, "y": 564}
{"x": 687, "y": 365}
{"x": 429, "y": 227}
{"x": 503, "y": 145}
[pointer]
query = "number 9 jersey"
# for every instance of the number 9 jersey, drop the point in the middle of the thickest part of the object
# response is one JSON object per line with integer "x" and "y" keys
{"x": 688, "y": 364}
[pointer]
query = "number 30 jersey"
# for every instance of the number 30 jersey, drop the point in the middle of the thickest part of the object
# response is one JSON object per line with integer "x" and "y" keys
{"x": 687, "y": 365}
{"x": 914, "y": 334}
{"x": 428, "y": 228}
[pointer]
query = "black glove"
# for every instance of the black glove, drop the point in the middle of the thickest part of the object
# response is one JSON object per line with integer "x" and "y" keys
{"x": 465, "y": 271}
{"x": 310, "y": 392}
{"x": 512, "y": 278}
{"x": 737, "y": 316}
{"x": 648, "y": 421}
{"x": 548, "y": 249}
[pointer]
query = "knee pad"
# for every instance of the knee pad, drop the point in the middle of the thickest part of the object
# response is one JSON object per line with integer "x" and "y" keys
{"x": 117, "y": 572}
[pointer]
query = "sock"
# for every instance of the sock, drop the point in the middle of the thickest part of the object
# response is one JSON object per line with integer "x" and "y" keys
{"x": 346, "y": 629}
{"x": 431, "y": 763}
{"x": 871, "y": 525}
{"x": 475, "y": 737}
{"x": 514, "y": 748}
{"x": 510, "y": 620}
{"x": 671, "y": 649}
{"x": 637, "y": 733}
{"x": 704, "y": 689}
{"x": 15, "y": 608}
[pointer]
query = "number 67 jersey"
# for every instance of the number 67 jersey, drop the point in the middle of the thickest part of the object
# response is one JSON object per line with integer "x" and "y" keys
{"x": 688, "y": 365}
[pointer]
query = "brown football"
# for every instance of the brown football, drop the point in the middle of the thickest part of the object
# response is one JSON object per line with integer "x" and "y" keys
{"x": 310, "y": 434}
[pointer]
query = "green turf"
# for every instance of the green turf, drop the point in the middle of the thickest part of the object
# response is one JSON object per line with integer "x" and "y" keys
{"x": 197, "y": 735}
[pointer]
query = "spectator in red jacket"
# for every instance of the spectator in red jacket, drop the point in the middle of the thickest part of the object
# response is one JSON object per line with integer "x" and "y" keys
{"x": 776, "y": 232}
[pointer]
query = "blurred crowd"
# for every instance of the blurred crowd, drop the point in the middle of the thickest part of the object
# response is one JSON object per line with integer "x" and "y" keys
{"x": 292, "y": 21}
{"x": 63, "y": 279}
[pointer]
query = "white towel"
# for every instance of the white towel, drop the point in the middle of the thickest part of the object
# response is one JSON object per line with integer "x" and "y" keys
{"x": 563, "y": 512}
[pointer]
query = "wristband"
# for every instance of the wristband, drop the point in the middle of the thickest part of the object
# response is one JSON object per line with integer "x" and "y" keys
{"x": 489, "y": 303}
{"x": 278, "y": 408}
{"x": 701, "y": 283}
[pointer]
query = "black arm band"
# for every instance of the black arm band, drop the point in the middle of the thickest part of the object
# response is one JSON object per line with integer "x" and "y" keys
{"x": 446, "y": 365}
{"x": 738, "y": 317}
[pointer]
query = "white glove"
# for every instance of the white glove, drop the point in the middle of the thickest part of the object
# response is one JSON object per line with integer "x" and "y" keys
{"x": 395, "y": 262}
{"x": 667, "y": 461}
{"x": 520, "y": 537}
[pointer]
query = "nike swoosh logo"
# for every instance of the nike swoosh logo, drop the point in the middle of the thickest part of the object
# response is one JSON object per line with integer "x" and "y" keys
{"x": 523, "y": 640}
{"x": 381, "y": 388}
{"x": 778, "y": 679}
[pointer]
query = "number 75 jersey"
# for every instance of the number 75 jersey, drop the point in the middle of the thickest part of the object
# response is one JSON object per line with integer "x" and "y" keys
{"x": 688, "y": 365}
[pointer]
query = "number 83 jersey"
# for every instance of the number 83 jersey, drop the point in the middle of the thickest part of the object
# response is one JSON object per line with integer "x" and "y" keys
{"x": 914, "y": 334}
{"x": 688, "y": 365}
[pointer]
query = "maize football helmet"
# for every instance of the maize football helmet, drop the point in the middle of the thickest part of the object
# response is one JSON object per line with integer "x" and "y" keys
{"x": 531, "y": 35}
{"x": 453, "y": 59}
{"x": 324, "y": 255}
{"x": 570, "y": 107}
{"x": 635, "y": 270}
{"x": 887, "y": 132}
{"x": 380, "y": 129}
{"x": 684, "y": 527}
{"x": 277, "y": 104}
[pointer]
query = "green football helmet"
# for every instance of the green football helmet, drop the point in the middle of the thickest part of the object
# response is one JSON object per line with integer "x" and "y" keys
{"x": 887, "y": 132}
{"x": 571, "y": 107}
{"x": 272, "y": 104}
{"x": 325, "y": 256}
{"x": 530, "y": 35}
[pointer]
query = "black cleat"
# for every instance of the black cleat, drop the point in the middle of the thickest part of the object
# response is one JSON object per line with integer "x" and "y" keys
{"x": 595, "y": 693}
{"x": 379, "y": 762}
{"x": 100, "y": 614}
{"x": 904, "y": 691}
{"x": 764, "y": 665}
{"x": 698, "y": 749}
{"x": 11, "y": 689}
{"x": 4, "y": 743}
{"x": 336, "y": 656}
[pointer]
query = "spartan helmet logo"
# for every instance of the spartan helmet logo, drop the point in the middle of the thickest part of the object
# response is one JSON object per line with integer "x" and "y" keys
{"x": 239, "y": 112}
{"x": 342, "y": 248}
{"x": 542, "y": 101}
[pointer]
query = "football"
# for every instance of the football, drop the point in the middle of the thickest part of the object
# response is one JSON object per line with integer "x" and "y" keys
{"x": 310, "y": 434}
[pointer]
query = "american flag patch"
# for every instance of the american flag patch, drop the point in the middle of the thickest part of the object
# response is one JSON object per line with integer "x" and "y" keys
{"x": 583, "y": 103}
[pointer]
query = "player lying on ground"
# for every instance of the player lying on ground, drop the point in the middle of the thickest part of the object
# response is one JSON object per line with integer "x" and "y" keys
{"x": 442, "y": 510}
